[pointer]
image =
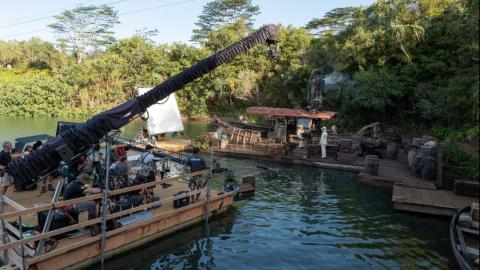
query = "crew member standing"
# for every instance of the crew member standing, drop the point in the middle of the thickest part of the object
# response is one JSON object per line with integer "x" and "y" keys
{"x": 5, "y": 158}
{"x": 323, "y": 142}
{"x": 148, "y": 164}
{"x": 196, "y": 163}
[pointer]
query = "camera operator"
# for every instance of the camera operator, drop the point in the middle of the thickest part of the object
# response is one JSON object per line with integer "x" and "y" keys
{"x": 77, "y": 189}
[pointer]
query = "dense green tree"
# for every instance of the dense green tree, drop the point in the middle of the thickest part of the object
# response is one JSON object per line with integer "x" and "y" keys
{"x": 335, "y": 20}
{"x": 33, "y": 94}
{"x": 85, "y": 27}
{"x": 406, "y": 68}
{"x": 219, "y": 13}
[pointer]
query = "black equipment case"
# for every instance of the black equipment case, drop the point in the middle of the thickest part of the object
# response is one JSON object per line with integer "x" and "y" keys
{"x": 181, "y": 199}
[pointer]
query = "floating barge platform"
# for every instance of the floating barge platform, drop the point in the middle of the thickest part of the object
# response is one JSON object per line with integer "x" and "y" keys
{"x": 247, "y": 151}
{"x": 153, "y": 220}
{"x": 413, "y": 194}
{"x": 428, "y": 201}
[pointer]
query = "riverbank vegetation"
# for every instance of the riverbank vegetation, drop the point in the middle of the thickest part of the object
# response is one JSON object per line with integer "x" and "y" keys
{"x": 410, "y": 64}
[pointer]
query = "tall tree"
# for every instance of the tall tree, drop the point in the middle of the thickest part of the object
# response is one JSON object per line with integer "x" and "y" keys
{"x": 218, "y": 13}
{"x": 335, "y": 20}
{"x": 84, "y": 28}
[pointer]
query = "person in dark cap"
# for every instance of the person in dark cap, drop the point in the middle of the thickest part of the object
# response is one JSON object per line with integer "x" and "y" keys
{"x": 77, "y": 189}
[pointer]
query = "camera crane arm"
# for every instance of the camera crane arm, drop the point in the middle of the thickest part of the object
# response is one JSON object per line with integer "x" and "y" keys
{"x": 73, "y": 141}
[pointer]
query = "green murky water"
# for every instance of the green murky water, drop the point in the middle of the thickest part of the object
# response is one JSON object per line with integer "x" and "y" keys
{"x": 306, "y": 218}
{"x": 13, "y": 127}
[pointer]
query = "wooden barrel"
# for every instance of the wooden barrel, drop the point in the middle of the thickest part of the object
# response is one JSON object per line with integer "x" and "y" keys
{"x": 345, "y": 144}
{"x": 392, "y": 151}
{"x": 249, "y": 179}
{"x": 371, "y": 164}
{"x": 429, "y": 170}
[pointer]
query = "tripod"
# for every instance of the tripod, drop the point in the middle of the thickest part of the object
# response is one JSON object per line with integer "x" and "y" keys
{"x": 98, "y": 175}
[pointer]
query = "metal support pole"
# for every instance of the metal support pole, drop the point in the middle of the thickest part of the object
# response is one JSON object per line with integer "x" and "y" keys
{"x": 3, "y": 232}
{"x": 105, "y": 202}
{"x": 209, "y": 181}
{"x": 48, "y": 221}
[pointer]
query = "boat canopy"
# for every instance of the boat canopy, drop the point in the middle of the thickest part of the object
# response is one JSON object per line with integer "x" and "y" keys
{"x": 21, "y": 142}
{"x": 294, "y": 113}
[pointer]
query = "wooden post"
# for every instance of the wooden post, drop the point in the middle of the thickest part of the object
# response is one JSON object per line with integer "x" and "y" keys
{"x": 22, "y": 247}
{"x": 4, "y": 255}
{"x": 440, "y": 169}
{"x": 233, "y": 132}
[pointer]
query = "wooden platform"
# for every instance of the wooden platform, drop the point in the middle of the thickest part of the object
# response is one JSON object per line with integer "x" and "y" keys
{"x": 427, "y": 201}
{"x": 83, "y": 251}
{"x": 413, "y": 194}
{"x": 339, "y": 166}
{"x": 175, "y": 145}
{"x": 392, "y": 172}
{"x": 250, "y": 152}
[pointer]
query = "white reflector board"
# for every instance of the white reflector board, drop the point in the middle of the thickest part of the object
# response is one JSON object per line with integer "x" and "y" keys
{"x": 164, "y": 116}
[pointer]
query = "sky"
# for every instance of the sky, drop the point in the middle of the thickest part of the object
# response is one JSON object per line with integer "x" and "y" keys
{"x": 173, "y": 19}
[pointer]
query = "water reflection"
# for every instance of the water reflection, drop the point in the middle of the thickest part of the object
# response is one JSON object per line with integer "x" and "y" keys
{"x": 305, "y": 218}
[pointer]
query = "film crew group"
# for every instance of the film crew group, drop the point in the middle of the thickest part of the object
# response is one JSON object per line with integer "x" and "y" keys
{"x": 7, "y": 154}
{"x": 86, "y": 184}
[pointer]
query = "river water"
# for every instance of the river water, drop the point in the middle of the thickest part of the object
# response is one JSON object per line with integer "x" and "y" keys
{"x": 306, "y": 218}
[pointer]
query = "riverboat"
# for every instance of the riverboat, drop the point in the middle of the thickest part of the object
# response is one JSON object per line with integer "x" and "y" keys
{"x": 71, "y": 246}
{"x": 464, "y": 235}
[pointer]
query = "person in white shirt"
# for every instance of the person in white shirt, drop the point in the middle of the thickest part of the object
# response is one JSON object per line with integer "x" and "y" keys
{"x": 147, "y": 164}
{"x": 323, "y": 142}
{"x": 300, "y": 132}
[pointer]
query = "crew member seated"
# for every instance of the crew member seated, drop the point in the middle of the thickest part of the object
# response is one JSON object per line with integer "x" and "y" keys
{"x": 131, "y": 199}
{"x": 77, "y": 189}
{"x": 137, "y": 197}
{"x": 196, "y": 163}
{"x": 230, "y": 185}
{"x": 119, "y": 169}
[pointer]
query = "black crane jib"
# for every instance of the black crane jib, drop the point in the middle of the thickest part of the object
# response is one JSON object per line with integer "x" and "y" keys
{"x": 72, "y": 142}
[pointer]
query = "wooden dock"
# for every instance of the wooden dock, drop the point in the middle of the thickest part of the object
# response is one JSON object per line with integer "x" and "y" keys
{"x": 413, "y": 194}
{"x": 170, "y": 145}
{"x": 427, "y": 201}
{"x": 392, "y": 172}
{"x": 246, "y": 151}
{"x": 174, "y": 145}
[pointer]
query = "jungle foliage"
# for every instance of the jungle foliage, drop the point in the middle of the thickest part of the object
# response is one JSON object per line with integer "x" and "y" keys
{"x": 411, "y": 63}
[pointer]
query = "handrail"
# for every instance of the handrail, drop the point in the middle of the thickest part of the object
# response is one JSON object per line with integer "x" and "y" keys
{"x": 13, "y": 203}
{"x": 46, "y": 207}
{"x": 89, "y": 222}
{"x": 94, "y": 239}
